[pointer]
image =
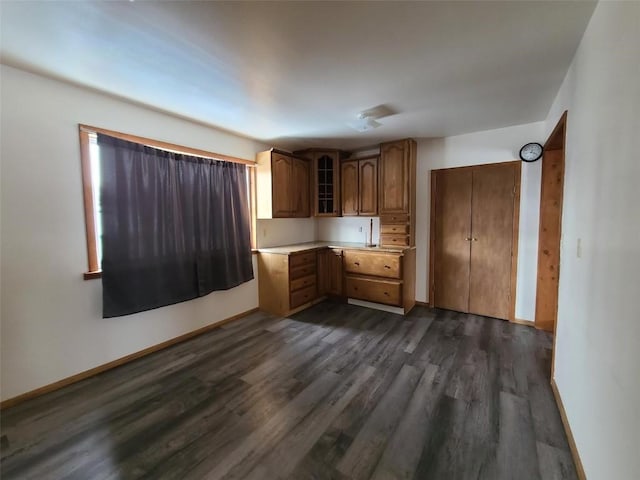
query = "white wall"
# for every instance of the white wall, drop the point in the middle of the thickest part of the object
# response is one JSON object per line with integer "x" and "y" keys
{"x": 285, "y": 231}
{"x": 492, "y": 146}
{"x": 597, "y": 357}
{"x": 51, "y": 325}
{"x": 348, "y": 229}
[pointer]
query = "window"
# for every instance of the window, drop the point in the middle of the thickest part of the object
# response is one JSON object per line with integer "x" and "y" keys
{"x": 90, "y": 157}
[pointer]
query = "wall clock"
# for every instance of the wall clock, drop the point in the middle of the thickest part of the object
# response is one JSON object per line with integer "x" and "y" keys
{"x": 531, "y": 152}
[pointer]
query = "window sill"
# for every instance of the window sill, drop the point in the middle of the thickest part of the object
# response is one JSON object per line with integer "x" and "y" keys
{"x": 92, "y": 275}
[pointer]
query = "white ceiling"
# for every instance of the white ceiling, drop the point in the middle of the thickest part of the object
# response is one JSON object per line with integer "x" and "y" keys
{"x": 294, "y": 74}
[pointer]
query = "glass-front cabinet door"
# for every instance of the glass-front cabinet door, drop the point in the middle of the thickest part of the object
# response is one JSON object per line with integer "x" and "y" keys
{"x": 326, "y": 168}
{"x": 325, "y": 180}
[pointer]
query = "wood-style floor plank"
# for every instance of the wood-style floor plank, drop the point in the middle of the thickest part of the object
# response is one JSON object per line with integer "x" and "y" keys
{"x": 335, "y": 392}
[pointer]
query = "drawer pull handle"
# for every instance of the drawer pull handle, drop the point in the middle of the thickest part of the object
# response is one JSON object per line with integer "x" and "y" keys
{"x": 356, "y": 263}
{"x": 387, "y": 266}
{"x": 386, "y": 293}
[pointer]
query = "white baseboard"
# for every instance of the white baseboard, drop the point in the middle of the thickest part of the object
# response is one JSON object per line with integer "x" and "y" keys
{"x": 376, "y": 306}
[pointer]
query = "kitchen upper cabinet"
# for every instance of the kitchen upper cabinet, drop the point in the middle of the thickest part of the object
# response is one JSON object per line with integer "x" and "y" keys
{"x": 300, "y": 188}
{"x": 395, "y": 172}
{"x": 282, "y": 179}
{"x": 282, "y": 185}
{"x": 349, "y": 173}
{"x": 325, "y": 180}
{"x": 397, "y": 192}
{"x": 360, "y": 187}
{"x": 368, "y": 192}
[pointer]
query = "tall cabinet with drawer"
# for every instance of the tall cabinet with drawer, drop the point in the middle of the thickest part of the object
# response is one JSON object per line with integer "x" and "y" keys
{"x": 397, "y": 193}
{"x": 287, "y": 282}
{"x": 386, "y": 277}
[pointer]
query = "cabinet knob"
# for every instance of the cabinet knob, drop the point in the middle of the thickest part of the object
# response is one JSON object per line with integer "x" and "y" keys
{"x": 475, "y": 239}
{"x": 386, "y": 293}
{"x": 468, "y": 239}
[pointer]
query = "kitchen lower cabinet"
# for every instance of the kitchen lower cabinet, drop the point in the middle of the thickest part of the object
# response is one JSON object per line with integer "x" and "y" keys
{"x": 287, "y": 282}
{"x": 381, "y": 277}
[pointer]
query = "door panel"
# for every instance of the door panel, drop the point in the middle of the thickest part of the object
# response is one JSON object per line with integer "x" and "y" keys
{"x": 549, "y": 239}
{"x": 452, "y": 247}
{"x": 281, "y": 185}
{"x": 368, "y": 204}
{"x": 300, "y": 169}
{"x": 492, "y": 240}
{"x": 394, "y": 175}
{"x": 349, "y": 180}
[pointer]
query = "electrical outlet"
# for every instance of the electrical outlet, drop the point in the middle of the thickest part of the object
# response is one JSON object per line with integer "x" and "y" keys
{"x": 579, "y": 248}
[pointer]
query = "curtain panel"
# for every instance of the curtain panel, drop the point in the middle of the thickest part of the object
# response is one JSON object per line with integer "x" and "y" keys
{"x": 174, "y": 227}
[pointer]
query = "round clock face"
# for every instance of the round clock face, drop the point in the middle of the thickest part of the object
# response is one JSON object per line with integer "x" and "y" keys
{"x": 531, "y": 152}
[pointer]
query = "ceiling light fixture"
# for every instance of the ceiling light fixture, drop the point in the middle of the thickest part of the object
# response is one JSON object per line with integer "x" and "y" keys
{"x": 364, "y": 123}
{"x": 366, "y": 119}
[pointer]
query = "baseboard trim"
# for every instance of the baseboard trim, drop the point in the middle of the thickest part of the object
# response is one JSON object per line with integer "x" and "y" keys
{"x": 519, "y": 321}
{"x": 10, "y": 402}
{"x": 422, "y": 304}
{"x": 567, "y": 429}
{"x": 376, "y": 306}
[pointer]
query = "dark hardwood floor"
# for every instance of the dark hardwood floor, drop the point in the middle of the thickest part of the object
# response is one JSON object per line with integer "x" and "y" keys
{"x": 334, "y": 392}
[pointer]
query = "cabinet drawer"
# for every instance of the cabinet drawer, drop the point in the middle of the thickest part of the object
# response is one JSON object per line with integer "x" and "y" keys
{"x": 396, "y": 218}
{"x": 391, "y": 240}
{"x": 303, "y": 271}
{"x": 302, "y": 282}
{"x": 378, "y": 264}
{"x": 299, "y": 259}
{"x": 394, "y": 228}
{"x": 388, "y": 292}
{"x": 303, "y": 296}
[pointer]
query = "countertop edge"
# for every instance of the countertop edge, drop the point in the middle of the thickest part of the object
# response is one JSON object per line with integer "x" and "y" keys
{"x": 306, "y": 247}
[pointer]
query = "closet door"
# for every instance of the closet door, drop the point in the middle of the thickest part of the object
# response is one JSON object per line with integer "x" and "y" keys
{"x": 492, "y": 240}
{"x": 452, "y": 239}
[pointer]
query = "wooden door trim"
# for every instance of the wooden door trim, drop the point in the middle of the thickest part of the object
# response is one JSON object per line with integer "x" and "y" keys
{"x": 432, "y": 240}
{"x": 555, "y": 143}
{"x": 557, "y": 138}
{"x": 516, "y": 230}
{"x": 514, "y": 241}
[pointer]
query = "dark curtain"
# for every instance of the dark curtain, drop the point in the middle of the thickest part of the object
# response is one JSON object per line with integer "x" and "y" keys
{"x": 174, "y": 227}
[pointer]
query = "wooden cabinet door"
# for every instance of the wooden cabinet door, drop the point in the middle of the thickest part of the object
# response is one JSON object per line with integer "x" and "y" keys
{"x": 326, "y": 184}
{"x": 281, "y": 180}
{"x": 299, "y": 188}
{"x": 323, "y": 272}
{"x": 368, "y": 187}
{"x": 349, "y": 181}
{"x": 335, "y": 272}
{"x": 492, "y": 240}
{"x": 394, "y": 178}
{"x": 452, "y": 239}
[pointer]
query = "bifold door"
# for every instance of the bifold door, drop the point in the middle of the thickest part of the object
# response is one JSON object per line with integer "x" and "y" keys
{"x": 474, "y": 238}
